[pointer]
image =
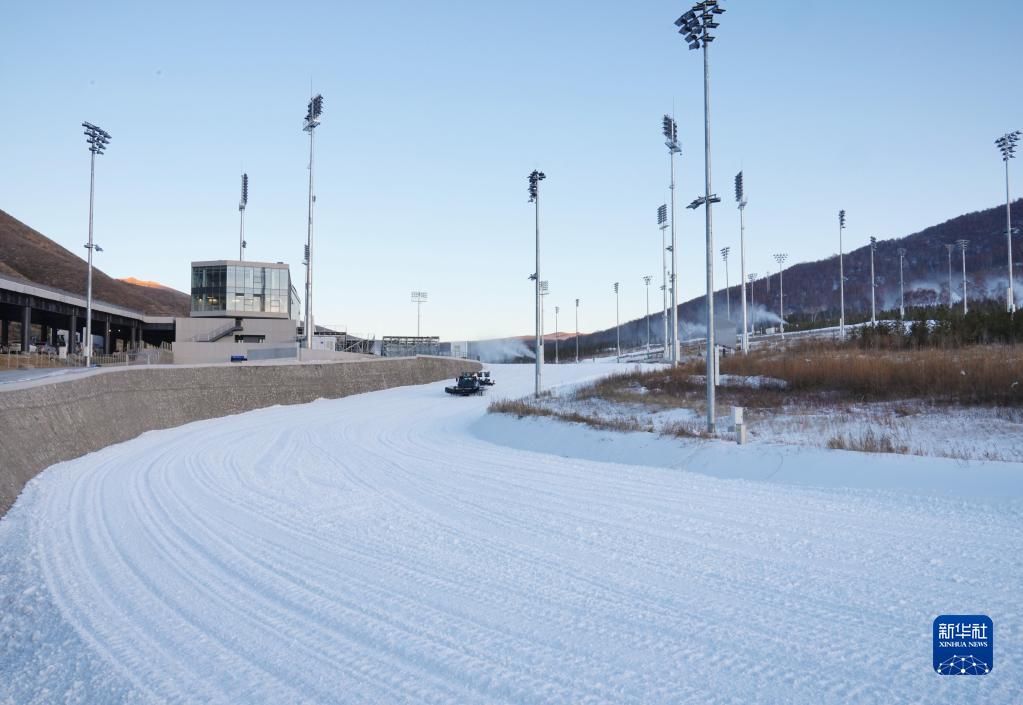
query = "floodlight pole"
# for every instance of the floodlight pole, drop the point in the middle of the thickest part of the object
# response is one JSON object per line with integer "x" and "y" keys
{"x": 241, "y": 217}
{"x": 534, "y": 195}
{"x": 674, "y": 262}
{"x": 1010, "y": 294}
{"x": 646, "y": 280}
{"x": 962, "y": 244}
{"x": 696, "y": 24}
{"x": 1007, "y": 145}
{"x": 781, "y": 298}
{"x": 312, "y": 121}
{"x": 91, "y": 246}
{"x": 950, "y": 246}
{"x": 1011, "y": 298}
{"x": 752, "y": 304}
{"x": 780, "y": 259}
{"x": 873, "y": 282}
{"x": 618, "y": 327}
{"x": 711, "y": 352}
{"x": 728, "y": 294}
{"x": 902, "y": 287}
{"x": 662, "y": 224}
{"x": 97, "y": 140}
{"x": 577, "y": 330}
{"x": 740, "y": 197}
{"x": 557, "y": 310}
{"x": 419, "y": 298}
{"x": 841, "y": 276}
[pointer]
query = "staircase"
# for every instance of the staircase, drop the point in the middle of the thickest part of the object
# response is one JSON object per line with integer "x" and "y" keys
{"x": 217, "y": 333}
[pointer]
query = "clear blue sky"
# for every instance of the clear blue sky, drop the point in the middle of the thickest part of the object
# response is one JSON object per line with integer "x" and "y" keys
{"x": 436, "y": 112}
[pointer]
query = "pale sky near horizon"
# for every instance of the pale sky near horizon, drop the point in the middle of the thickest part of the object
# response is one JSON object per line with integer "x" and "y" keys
{"x": 436, "y": 112}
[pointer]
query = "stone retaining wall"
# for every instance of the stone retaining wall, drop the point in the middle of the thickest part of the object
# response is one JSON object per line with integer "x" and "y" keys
{"x": 48, "y": 423}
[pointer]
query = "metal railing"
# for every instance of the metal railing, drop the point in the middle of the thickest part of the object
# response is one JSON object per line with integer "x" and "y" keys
{"x": 14, "y": 359}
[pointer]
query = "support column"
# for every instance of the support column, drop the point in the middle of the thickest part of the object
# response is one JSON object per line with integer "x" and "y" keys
{"x": 26, "y": 327}
{"x": 106, "y": 336}
{"x": 44, "y": 334}
{"x": 5, "y": 332}
{"x": 72, "y": 324}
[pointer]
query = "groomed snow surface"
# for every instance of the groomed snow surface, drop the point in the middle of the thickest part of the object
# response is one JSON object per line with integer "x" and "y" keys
{"x": 402, "y": 547}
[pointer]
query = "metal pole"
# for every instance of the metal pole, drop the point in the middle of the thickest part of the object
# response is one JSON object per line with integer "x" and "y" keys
{"x": 873, "y": 281}
{"x": 841, "y": 284}
{"x": 964, "y": 280}
{"x": 577, "y": 329}
{"x": 664, "y": 289}
{"x": 618, "y": 326}
{"x": 752, "y": 304}
{"x": 742, "y": 266}
{"x": 88, "y": 293}
{"x": 728, "y": 294}
{"x": 949, "y": 248}
{"x": 309, "y": 325}
{"x": 781, "y": 300}
{"x": 419, "y": 318}
{"x": 241, "y": 235}
{"x": 647, "y": 280}
{"x": 557, "y": 310}
{"x": 539, "y": 313}
{"x": 902, "y": 288}
{"x": 1010, "y": 296}
{"x": 711, "y": 372}
{"x": 674, "y": 271}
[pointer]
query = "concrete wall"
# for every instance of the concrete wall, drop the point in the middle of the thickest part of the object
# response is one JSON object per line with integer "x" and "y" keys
{"x": 276, "y": 330}
{"x": 322, "y": 355}
{"x": 47, "y": 423}
{"x": 186, "y": 353}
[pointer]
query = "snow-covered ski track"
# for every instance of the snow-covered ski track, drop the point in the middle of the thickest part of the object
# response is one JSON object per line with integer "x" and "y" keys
{"x": 371, "y": 550}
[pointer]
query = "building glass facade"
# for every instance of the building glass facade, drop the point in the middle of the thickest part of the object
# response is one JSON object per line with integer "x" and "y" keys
{"x": 242, "y": 289}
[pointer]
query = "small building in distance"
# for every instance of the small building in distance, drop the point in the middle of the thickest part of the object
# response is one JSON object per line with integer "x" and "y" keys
{"x": 239, "y": 308}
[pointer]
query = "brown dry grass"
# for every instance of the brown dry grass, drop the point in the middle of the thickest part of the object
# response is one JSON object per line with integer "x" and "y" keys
{"x": 816, "y": 374}
{"x": 868, "y": 442}
{"x": 989, "y": 374}
{"x": 521, "y": 408}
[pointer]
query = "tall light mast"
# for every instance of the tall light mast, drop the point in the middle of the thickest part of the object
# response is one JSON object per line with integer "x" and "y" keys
{"x": 244, "y": 201}
{"x": 312, "y": 121}
{"x": 740, "y": 199}
{"x": 97, "y": 139}
{"x": 752, "y": 277}
{"x": 662, "y": 224}
{"x": 902, "y": 285}
{"x": 534, "y": 197}
{"x": 841, "y": 275}
{"x": 962, "y": 246}
{"x": 780, "y": 259}
{"x": 577, "y": 330}
{"x": 728, "y": 294}
{"x": 647, "y": 280}
{"x": 618, "y": 327}
{"x": 670, "y": 131}
{"x": 419, "y": 298}
{"x": 557, "y": 310}
{"x": 873, "y": 282}
{"x": 1007, "y": 146}
{"x": 696, "y": 25}
{"x": 950, "y": 246}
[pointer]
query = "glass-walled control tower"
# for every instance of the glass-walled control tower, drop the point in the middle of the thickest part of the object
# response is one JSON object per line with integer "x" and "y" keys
{"x": 224, "y": 288}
